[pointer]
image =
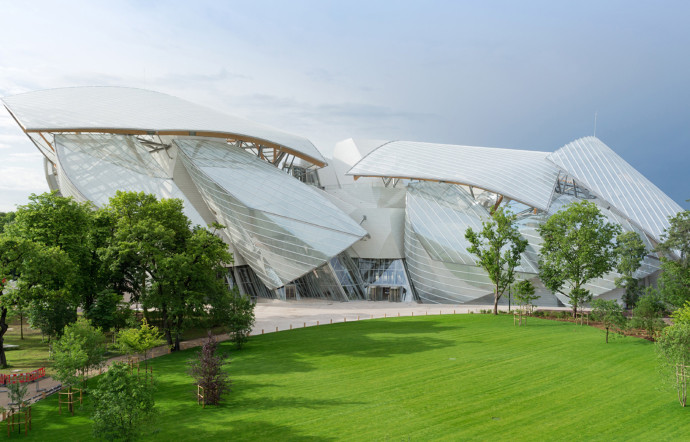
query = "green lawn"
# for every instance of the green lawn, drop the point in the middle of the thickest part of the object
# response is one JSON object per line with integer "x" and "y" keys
{"x": 32, "y": 352}
{"x": 416, "y": 378}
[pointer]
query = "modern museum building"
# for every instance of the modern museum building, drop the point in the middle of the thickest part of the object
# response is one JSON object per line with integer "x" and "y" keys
{"x": 380, "y": 220}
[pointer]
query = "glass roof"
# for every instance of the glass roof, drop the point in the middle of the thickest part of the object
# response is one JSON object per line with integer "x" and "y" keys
{"x": 598, "y": 168}
{"x": 281, "y": 226}
{"x": 521, "y": 175}
{"x": 98, "y": 165}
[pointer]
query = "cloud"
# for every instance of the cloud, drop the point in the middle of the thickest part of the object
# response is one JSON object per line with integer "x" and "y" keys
{"x": 25, "y": 179}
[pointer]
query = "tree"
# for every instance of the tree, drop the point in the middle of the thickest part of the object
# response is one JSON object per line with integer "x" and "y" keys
{"x": 6, "y": 218}
{"x": 109, "y": 311}
{"x": 30, "y": 273}
{"x": 523, "y": 291}
{"x": 172, "y": 270}
{"x": 682, "y": 315}
{"x": 139, "y": 340}
{"x": 207, "y": 370}
{"x": 648, "y": 312}
{"x": 241, "y": 318}
{"x": 56, "y": 221}
{"x": 674, "y": 281}
{"x": 69, "y": 359}
{"x": 609, "y": 312}
{"x": 123, "y": 403}
{"x": 631, "y": 251}
{"x": 17, "y": 392}
{"x": 578, "y": 247}
{"x": 673, "y": 348}
{"x": 498, "y": 246}
{"x": 93, "y": 343}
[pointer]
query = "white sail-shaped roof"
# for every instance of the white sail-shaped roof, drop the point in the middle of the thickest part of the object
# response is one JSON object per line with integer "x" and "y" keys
{"x": 521, "y": 175}
{"x": 130, "y": 110}
{"x": 282, "y": 227}
{"x": 598, "y": 168}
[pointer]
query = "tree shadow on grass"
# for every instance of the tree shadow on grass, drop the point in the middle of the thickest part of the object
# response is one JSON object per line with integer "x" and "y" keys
{"x": 291, "y": 351}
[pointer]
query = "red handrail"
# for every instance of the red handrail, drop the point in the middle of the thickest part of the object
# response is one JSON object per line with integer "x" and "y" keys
{"x": 22, "y": 377}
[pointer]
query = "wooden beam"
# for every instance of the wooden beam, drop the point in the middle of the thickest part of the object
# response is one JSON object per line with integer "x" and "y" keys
{"x": 185, "y": 133}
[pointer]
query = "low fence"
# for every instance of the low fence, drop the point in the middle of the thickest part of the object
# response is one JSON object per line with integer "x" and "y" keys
{"x": 22, "y": 377}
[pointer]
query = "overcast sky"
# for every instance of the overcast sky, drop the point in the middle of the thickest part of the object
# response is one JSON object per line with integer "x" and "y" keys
{"x": 527, "y": 74}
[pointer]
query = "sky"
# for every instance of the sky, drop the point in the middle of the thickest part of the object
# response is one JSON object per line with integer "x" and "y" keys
{"x": 525, "y": 75}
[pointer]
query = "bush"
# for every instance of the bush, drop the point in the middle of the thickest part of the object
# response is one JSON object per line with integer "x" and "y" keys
{"x": 673, "y": 348}
{"x": 123, "y": 402}
{"x": 647, "y": 314}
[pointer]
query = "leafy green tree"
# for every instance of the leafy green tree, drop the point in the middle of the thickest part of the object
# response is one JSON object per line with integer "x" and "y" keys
{"x": 30, "y": 273}
{"x": 648, "y": 313}
{"x": 674, "y": 280}
{"x": 673, "y": 348}
{"x": 139, "y": 340}
{"x": 610, "y": 313}
{"x": 5, "y": 219}
{"x": 93, "y": 344}
{"x": 109, "y": 311}
{"x": 13, "y": 253}
{"x": 160, "y": 262}
{"x": 631, "y": 251}
{"x": 241, "y": 319}
{"x": 578, "y": 247}
{"x": 523, "y": 291}
{"x": 69, "y": 359}
{"x": 499, "y": 247}
{"x": 682, "y": 315}
{"x": 208, "y": 371}
{"x": 123, "y": 404}
{"x": 56, "y": 221}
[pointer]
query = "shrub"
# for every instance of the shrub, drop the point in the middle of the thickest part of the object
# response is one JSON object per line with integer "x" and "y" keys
{"x": 673, "y": 348}
{"x": 647, "y": 314}
{"x": 123, "y": 402}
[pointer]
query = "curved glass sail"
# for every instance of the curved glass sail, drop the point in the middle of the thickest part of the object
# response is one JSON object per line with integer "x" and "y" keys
{"x": 282, "y": 227}
{"x": 602, "y": 171}
{"x": 95, "y": 166}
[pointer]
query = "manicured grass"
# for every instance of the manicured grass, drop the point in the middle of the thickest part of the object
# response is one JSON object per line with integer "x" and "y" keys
{"x": 417, "y": 378}
{"x": 32, "y": 352}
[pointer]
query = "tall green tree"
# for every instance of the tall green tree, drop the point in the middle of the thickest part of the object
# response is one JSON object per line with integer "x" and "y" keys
{"x": 498, "y": 247}
{"x": 56, "y": 221}
{"x": 578, "y": 247}
{"x": 631, "y": 251}
{"x": 155, "y": 258}
{"x": 674, "y": 281}
{"x": 32, "y": 273}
